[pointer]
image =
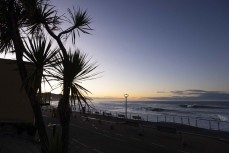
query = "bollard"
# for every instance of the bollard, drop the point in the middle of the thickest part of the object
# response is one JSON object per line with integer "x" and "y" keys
{"x": 53, "y": 126}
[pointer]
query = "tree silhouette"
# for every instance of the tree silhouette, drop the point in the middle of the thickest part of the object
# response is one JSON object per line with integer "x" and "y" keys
{"x": 22, "y": 18}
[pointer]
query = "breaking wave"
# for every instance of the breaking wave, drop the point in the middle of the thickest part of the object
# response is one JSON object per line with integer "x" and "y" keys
{"x": 222, "y": 118}
{"x": 200, "y": 106}
{"x": 154, "y": 109}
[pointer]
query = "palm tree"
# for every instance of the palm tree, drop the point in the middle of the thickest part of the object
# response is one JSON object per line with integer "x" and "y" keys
{"x": 20, "y": 18}
{"x": 69, "y": 72}
{"x": 12, "y": 22}
{"x": 39, "y": 53}
{"x": 46, "y": 16}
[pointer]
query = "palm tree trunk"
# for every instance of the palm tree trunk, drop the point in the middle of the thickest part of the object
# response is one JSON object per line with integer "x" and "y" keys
{"x": 63, "y": 106}
{"x": 19, "y": 48}
{"x": 64, "y": 113}
{"x": 39, "y": 122}
{"x": 31, "y": 93}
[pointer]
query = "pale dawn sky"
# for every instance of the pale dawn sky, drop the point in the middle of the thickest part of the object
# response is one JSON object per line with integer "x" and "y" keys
{"x": 156, "y": 48}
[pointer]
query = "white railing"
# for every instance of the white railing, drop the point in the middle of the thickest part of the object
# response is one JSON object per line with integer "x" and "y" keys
{"x": 185, "y": 120}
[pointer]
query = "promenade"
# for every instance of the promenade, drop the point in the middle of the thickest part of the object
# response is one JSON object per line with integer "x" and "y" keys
{"x": 101, "y": 134}
{"x": 98, "y": 134}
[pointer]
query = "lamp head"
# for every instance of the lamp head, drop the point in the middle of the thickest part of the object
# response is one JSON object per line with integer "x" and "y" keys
{"x": 126, "y": 95}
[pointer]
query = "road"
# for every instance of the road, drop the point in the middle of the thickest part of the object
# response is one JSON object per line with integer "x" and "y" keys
{"x": 93, "y": 136}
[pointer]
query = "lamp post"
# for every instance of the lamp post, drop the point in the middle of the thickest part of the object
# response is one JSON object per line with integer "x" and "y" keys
{"x": 126, "y": 95}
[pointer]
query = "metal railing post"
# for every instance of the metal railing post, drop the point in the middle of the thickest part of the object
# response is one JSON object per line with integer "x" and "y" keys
{"x": 210, "y": 125}
{"x": 218, "y": 126}
{"x": 207, "y": 124}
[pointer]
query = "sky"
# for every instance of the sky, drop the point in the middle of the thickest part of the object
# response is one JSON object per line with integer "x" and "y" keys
{"x": 156, "y": 49}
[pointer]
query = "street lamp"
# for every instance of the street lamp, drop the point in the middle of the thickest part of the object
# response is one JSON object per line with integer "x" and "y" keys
{"x": 126, "y": 95}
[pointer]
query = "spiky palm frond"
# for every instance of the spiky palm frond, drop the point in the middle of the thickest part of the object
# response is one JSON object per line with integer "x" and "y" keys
{"x": 72, "y": 71}
{"x": 40, "y": 53}
{"x": 5, "y": 34}
{"x": 11, "y": 15}
{"x": 39, "y": 12}
{"x": 79, "y": 21}
{"x": 6, "y": 44}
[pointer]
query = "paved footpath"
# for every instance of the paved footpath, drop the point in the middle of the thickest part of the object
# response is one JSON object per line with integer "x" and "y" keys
{"x": 90, "y": 135}
{"x": 13, "y": 143}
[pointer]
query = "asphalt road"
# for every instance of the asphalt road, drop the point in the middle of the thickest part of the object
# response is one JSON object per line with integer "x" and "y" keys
{"x": 91, "y": 136}
{"x": 105, "y": 142}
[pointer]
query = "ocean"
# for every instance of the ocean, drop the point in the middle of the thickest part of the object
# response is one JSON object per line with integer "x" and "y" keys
{"x": 205, "y": 114}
